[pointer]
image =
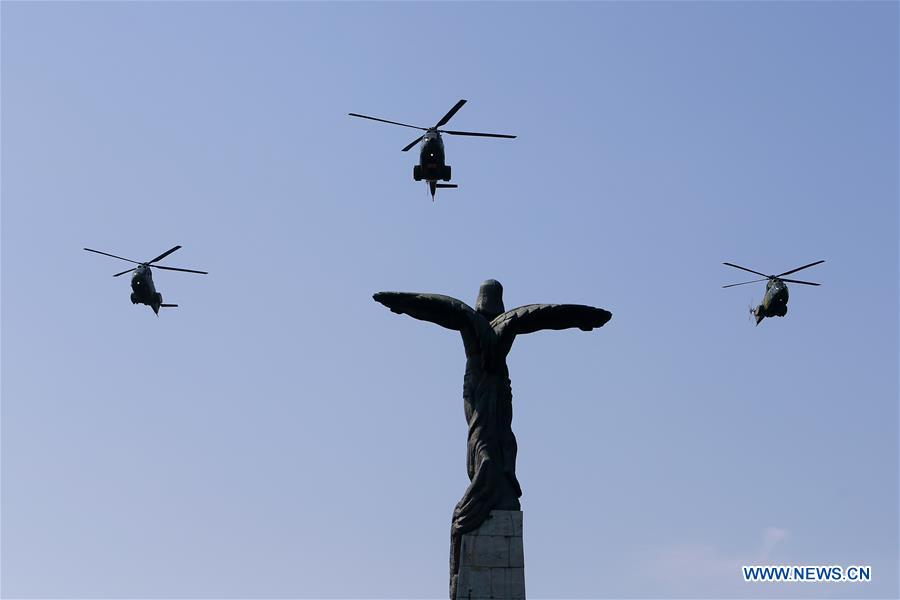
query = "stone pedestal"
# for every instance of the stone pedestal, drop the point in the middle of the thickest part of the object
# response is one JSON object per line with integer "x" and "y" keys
{"x": 492, "y": 559}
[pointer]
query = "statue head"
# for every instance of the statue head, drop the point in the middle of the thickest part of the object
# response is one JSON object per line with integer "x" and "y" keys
{"x": 490, "y": 299}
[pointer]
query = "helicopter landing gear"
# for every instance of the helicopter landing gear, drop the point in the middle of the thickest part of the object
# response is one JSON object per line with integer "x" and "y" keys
{"x": 134, "y": 299}
{"x": 417, "y": 173}
{"x": 159, "y": 298}
{"x": 446, "y": 174}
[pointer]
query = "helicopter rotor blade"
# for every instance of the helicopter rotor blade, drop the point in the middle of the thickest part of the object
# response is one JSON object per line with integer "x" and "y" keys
{"x": 450, "y": 113}
{"x": 163, "y": 255}
{"x": 493, "y": 135}
{"x": 123, "y": 272}
{"x": 386, "y": 121}
{"x": 413, "y": 143}
{"x": 177, "y": 269}
{"x": 818, "y": 262}
{"x": 745, "y": 282}
{"x": 746, "y": 269}
{"x": 798, "y": 281}
{"x": 113, "y": 255}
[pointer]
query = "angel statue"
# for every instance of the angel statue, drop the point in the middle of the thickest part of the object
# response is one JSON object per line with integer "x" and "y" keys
{"x": 488, "y": 333}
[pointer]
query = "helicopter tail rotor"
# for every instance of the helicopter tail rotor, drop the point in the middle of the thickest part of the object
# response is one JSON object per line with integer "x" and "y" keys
{"x": 434, "y": 186}
{"x": 756, "y": 314}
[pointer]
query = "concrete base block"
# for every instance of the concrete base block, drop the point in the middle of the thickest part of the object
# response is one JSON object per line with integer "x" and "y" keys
{"x": 492, "y": 559}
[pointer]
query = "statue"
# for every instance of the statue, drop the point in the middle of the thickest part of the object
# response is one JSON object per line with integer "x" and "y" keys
{"x": 488, "y": 333}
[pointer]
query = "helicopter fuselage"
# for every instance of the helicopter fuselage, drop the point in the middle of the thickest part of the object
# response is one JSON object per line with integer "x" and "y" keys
{"x": 774, "y": 303}
{"x": 432, "y": 165}
{"x": 143, "y": 289}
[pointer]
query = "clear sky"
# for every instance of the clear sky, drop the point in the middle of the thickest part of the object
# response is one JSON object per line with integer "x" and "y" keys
{"x": 281, "y": 435}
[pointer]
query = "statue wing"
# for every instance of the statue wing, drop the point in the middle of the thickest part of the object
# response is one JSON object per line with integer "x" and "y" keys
{"x": 443, "y": 310}
{"x": 535, "y": 317}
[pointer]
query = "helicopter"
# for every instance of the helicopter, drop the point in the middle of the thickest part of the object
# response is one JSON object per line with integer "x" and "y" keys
{"x": 432, "y": 166}
{"x": 143, "y": 290}
{"x": 774, "y": 303}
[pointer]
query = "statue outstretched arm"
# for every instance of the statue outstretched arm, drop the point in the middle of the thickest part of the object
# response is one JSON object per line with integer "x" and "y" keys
{"x": 535, "y": 317}
{"x": 443, "y": 310}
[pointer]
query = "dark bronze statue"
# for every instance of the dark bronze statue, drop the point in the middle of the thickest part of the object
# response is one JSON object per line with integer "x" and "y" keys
{"x": 488, "y": 333}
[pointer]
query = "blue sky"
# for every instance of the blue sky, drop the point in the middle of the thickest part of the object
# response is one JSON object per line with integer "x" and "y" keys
{"x": 280, "y": 435}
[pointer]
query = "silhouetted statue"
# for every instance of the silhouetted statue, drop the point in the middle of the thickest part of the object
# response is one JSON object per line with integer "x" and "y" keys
{"x": 488, "y": 333}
